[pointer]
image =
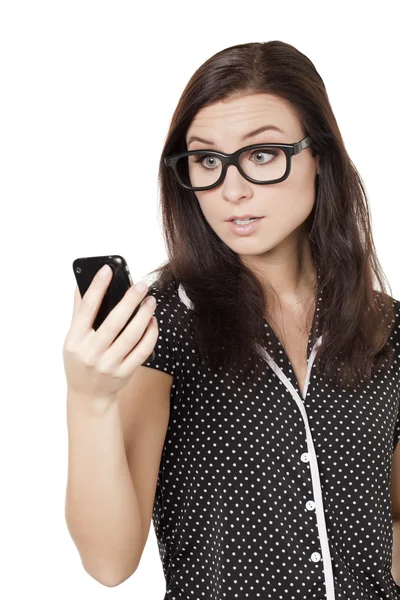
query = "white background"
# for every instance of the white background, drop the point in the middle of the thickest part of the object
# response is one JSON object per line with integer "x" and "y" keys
{"x": 87, "y": 92}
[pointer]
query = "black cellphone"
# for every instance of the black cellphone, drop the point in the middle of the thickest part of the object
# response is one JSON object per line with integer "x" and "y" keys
{"x": 85, "y": 268}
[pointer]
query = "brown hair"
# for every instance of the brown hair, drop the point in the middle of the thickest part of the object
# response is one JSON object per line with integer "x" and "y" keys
{"x": 229, "y": 300}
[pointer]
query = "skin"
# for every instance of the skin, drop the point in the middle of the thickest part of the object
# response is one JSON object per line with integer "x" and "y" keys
{"x": 279, "y": 249}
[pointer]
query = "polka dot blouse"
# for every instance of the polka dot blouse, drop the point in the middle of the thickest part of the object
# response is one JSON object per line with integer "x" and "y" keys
{"x": 267, "y": 491}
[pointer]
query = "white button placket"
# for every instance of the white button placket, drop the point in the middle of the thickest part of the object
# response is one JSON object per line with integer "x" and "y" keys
{"x": 310, "y": 456}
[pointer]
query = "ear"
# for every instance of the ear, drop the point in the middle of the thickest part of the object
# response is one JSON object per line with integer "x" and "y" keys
{"x": 317, "y": 163}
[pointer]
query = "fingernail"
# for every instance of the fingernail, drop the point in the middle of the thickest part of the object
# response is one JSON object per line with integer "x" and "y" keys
{"x": 150, "y": 301}
{"x": 105, "y": 271}
{"x": 141, "y": 286}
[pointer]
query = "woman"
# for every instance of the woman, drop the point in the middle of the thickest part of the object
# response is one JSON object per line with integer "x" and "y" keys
{"x": 273, "y": 449}
{"x": 274, "y": 481}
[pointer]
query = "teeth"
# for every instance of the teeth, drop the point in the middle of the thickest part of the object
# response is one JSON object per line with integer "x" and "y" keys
{"x": 244, "y": 221}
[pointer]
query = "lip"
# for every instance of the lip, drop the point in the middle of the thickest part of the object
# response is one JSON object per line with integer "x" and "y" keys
{"x": 244, "y": 229}
{"x": 243, "y": 217}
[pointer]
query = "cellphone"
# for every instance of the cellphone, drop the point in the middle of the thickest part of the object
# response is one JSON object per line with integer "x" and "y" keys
{"x": 86, "y": 267}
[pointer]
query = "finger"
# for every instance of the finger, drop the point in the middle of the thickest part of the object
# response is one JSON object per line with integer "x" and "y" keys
{"x": 77, "y": 301}
{"x": 142, "y": 351}
{"x": 86, "y": 307}
{"x": 128, "y": 338}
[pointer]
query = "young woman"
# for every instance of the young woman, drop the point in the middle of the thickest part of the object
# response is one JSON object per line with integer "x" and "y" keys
{"x": 261, "y": 439}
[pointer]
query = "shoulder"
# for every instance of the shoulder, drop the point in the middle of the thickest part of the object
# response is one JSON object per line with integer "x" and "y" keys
{"x": 396, "y": 306}
{"x": 172, "y": 303}
{"x": 395, "y": 326}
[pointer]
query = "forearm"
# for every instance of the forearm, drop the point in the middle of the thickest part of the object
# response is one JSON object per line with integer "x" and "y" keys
{"x": 101, "y": 510}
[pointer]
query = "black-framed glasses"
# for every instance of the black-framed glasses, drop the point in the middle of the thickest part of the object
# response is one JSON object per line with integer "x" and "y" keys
{"x": 259, "y": 163}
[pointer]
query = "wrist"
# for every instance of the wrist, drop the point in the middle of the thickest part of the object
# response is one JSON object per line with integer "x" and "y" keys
{"x": 89, "y": 404}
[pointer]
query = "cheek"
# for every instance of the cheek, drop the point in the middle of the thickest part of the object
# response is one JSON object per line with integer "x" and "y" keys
{"x": 293, "y": 202}
{"x": 208, "y": 204}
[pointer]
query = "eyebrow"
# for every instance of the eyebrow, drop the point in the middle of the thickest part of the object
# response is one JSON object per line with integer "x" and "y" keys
{"x": 195, "y": 138}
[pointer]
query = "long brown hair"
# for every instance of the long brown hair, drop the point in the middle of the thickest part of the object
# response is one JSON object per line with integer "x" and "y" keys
{"x": 229, "y": 300}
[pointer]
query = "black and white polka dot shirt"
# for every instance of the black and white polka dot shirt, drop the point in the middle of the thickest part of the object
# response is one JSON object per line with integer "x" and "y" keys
{"x": 268, "y": 492}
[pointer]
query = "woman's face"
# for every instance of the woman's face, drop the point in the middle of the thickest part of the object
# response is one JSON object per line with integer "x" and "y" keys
{"x": 285, "y": 206}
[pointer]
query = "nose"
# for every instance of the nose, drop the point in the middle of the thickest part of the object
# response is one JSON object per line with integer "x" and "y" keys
{"x": 236, "y": 173}
{"x": 234, "y": 185}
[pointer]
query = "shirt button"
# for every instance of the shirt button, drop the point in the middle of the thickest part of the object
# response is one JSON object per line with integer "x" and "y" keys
{"x": 305, "y": 457}
{"x": 315, "y": 556}
{"x": 310, "y": 505}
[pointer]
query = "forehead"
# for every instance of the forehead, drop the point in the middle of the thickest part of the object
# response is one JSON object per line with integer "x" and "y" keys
{"x": 238, "y": 115}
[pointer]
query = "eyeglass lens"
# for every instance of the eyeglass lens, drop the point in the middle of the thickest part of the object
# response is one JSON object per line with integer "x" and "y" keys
{"x": 202, "y": 169}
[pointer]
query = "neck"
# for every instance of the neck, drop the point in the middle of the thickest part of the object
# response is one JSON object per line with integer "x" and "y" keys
{"x": 287, "y": 272}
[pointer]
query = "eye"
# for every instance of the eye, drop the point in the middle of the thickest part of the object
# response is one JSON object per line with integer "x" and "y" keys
{"x": 203, "y": 157}
{"x": 269, "y": 154}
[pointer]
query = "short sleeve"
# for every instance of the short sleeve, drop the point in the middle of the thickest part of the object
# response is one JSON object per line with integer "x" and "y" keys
{"x": 164, "y": 354}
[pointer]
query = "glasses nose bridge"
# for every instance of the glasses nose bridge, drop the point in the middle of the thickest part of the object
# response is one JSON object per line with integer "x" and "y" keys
{"x": 231, "y": 161}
